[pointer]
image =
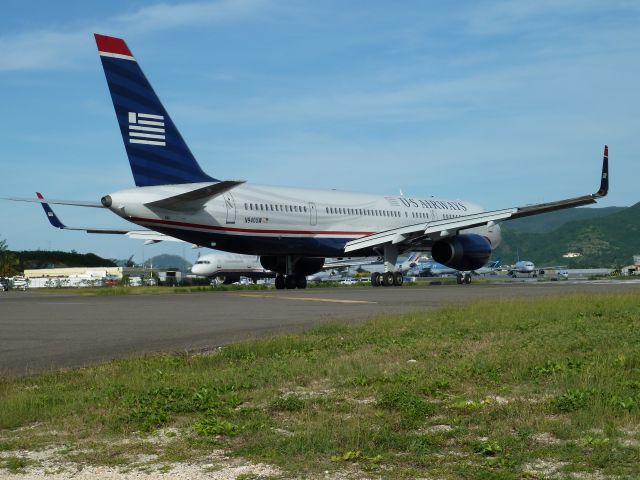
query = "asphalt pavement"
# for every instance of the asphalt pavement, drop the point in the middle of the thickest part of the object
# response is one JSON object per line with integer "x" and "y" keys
{"x": 39, "y": 331}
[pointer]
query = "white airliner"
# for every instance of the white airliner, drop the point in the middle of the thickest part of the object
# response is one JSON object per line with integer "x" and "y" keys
{"x": 291, "y": 229}
{"x": 226, "y": 268}
{"x": 335, "y": 270}
{"x": 527, "y": 267}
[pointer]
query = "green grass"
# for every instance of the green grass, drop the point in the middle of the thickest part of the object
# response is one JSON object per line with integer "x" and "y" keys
{"x": 488, "y": 391}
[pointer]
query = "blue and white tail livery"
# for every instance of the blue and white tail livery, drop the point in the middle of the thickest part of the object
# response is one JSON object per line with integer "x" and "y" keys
{"x": 157, "y": 153}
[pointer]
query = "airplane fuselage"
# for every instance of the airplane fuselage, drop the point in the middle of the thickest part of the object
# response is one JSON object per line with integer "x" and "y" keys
{"x": 265, "y": 220}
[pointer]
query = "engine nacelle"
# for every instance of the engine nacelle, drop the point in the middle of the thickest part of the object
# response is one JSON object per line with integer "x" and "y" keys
{"x": 462, "y": 252}
{"x": 302, "y": 266}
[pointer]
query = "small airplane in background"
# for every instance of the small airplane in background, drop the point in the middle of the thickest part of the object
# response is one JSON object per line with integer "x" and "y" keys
{"x": 490, "y": 268}
{"x": 528, "y": 268}
{"x": 433, "y": 268}
{"x": 337, "y": 269}
{"x": 226, "y": 268}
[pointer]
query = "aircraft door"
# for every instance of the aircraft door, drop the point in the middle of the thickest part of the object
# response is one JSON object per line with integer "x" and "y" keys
{"x": 313, "y": 213}
{"x": 231, "y": 207}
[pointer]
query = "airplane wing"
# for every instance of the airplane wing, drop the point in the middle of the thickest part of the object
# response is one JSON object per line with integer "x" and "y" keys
{"x": 149, "y": 236}
{"x": 413, "y": 237}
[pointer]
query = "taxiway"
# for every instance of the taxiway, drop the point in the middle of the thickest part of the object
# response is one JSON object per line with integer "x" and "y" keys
{"x": 39, "y": 332}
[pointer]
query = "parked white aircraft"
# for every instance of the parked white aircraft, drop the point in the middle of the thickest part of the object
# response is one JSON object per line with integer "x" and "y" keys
{"x": 291, "y": 229}
{"x": 334, "y": 270}
{"x": 227, "y": 268}
{"x": 529, "y": 268}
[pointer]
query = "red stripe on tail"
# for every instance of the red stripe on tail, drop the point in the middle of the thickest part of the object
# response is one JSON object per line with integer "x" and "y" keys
{"x": 112, "y": 45}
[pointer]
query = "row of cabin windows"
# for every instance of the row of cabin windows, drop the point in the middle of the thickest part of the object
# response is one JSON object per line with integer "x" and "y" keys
{"x": 361, "y": 212}
{"x": 338, "y": 211}
{"x": 262, "y": 207}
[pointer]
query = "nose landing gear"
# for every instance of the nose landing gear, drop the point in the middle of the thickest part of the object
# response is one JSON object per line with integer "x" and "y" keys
{"x": 463, "y": 278}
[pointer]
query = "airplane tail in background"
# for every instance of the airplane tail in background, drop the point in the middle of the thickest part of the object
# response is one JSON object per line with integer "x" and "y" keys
{"x": 157, "y": 153}
{"x": 51, "y": 216}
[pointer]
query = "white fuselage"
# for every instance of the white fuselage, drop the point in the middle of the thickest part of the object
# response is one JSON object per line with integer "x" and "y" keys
{"x": 263, "y": 220}
{"x": 524, "y": 266}
{"x": 227, "y": 263}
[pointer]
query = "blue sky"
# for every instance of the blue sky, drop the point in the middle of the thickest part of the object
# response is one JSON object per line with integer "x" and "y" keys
{"x": 502, "y": 102}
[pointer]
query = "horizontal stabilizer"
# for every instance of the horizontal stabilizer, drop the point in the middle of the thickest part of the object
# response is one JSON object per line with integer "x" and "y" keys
{"x": 195, "y": 199}
{"x": 74, "y": 203}
{"x": 149, "y": 236}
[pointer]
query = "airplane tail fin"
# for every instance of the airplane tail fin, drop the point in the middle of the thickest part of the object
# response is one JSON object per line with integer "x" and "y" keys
{"x": 157, "y": 153}
{"x": 52, "y": 217}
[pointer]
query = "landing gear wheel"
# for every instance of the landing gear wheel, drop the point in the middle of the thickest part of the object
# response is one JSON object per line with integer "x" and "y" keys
{"x": 280, "y": 282}
{"x": 387, "y": 279}
{"x": 398, "y": 279}
{"x": 291, "y": 281}
{"x": 467, "y": 278}
{"x": 459, "y": 278}
{"x": 375, "y": 279}
{"x": 301, "y": 281}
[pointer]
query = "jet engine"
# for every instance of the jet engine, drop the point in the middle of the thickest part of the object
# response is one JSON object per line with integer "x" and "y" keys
{"x": 302, "y": 266}
{"x": 462, "y": 252}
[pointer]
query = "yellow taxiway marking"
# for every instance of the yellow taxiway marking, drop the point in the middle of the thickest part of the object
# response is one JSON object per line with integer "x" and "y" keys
{"x": 304, "y": 299}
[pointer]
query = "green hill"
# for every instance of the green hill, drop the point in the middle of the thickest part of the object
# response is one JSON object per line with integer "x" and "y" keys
{"x": 602, "y": 241}
{"x": 33, "y": 259}
{"x": 548, "y": 222}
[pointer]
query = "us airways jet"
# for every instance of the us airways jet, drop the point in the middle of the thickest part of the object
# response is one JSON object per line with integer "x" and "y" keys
{"x": 292, "y": 230}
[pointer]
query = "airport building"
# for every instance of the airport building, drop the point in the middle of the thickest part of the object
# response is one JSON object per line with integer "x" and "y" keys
{"x": 83, "y": 276}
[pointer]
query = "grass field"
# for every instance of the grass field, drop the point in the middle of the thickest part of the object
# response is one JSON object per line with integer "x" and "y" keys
{"x": 494, "y": 390}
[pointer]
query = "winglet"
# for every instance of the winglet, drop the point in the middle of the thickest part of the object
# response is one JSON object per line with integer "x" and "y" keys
{"x": 53, "y": 219}
{"x": 604, "y": 180}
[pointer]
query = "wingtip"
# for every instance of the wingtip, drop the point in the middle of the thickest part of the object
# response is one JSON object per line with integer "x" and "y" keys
{"x": 112, "y": 45}
{"x": 39, "y": 195}
{"x": 604, "y": 179}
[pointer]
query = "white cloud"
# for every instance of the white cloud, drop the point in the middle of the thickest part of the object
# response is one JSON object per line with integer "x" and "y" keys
{"x": 509, "y": 16}
{"x": 164, "y": 16}
{"x": 45, "y": 49}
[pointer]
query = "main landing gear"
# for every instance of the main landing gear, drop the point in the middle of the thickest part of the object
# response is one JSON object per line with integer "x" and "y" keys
{"x": 290, "y": 281}
{"x": 463, "y": 278}
{"x": 387, "y": 279}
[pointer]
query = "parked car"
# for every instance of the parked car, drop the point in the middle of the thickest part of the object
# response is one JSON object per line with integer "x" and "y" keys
{"x": 20, "y": 283}
{"x": 349, "y": 281}
{"x": 4, "y": 284}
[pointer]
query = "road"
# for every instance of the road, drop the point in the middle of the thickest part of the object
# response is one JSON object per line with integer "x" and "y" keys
{"x": 39, "y": 332}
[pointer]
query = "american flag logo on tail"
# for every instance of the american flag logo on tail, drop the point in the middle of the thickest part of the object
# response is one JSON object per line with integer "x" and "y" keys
{"x": 146, "y": 129}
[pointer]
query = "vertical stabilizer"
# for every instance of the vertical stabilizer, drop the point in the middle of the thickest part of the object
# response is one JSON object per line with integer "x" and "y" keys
{"x": 157, "y": 153}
